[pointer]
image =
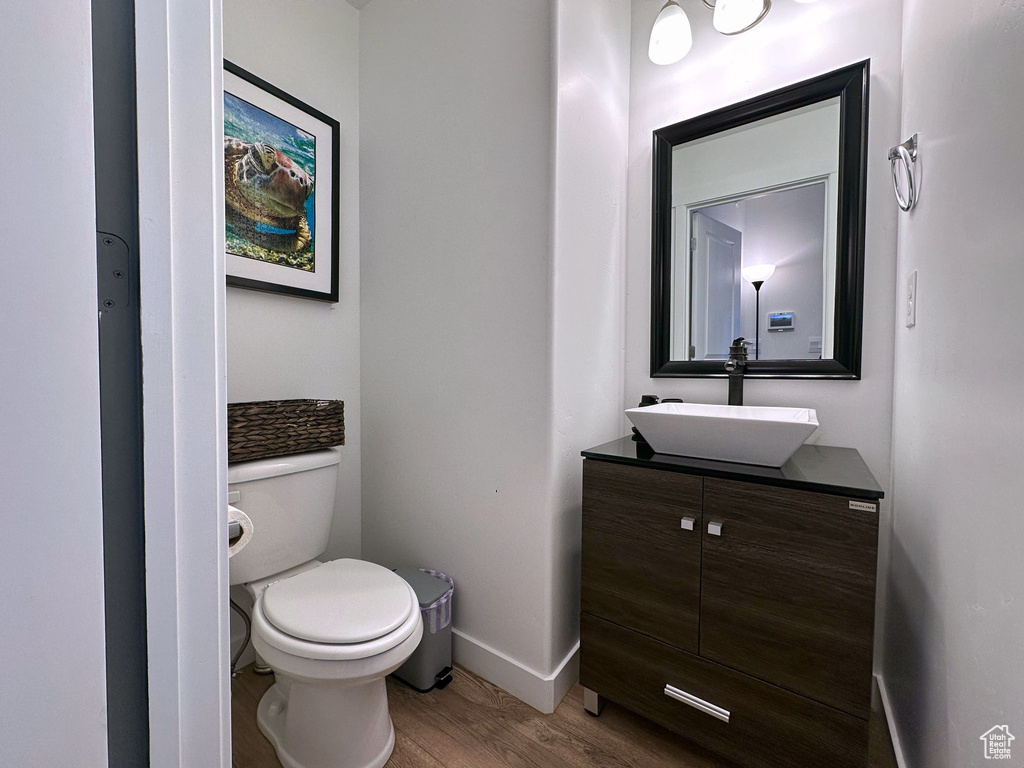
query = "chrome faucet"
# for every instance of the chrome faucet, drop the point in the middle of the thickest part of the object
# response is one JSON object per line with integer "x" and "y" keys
{"x": 736, "y": 366}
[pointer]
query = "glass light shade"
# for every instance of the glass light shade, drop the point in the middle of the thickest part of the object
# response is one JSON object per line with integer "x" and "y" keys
{"x": 671, "y": 37}
{"x": 759, "y": 273}
{"x": 807, "y": 1}
{"x": 733, "y": 16}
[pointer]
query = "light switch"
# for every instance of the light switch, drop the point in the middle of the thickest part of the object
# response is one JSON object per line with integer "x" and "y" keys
{"x": 910, "y": 312}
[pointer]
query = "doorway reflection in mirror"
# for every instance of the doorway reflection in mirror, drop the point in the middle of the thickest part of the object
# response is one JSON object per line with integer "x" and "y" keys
{"x": 735, "y": 246}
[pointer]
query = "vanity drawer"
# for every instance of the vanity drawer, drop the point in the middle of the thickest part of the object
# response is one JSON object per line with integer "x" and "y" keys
{"x": 641, "y": 549}
{"x": 767, "y": 727}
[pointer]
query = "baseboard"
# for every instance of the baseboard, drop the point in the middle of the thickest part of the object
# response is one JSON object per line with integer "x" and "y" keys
{"x": 542, "y": 692}
{"x": 897, "y": 746}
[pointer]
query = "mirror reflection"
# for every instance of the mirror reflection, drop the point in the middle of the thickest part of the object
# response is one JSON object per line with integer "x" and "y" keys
{"x": 754, "y": 223}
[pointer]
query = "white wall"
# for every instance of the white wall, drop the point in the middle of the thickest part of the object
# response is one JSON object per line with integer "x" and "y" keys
{"x": 279, "y": 346}
{"x": 493, "y": 167}
{"x": 53, "y": 705}
{"x": 954, "y": 663}
{"x": 456, "y": 200}
{"x": 794, "y": 43}
{"x": 588, "y": 286}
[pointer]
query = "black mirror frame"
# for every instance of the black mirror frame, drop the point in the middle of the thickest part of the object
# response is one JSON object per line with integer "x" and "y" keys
{"x": 851, "y": 85}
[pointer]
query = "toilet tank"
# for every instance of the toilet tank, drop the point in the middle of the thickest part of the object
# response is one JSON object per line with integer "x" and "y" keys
{"x": 290, "y": 501}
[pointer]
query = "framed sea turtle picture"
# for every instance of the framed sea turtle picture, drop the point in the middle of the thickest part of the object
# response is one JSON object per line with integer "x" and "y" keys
{"x": 281, "y": 190}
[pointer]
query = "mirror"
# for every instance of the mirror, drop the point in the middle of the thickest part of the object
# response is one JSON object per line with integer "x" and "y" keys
{"x": 758, "y": 233}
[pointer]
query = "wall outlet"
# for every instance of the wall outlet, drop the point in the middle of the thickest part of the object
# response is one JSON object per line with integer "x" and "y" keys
{"x": 910, "y": 310}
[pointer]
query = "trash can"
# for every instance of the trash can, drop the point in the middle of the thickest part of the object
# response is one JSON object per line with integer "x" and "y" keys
{"x": 430, "y": 665}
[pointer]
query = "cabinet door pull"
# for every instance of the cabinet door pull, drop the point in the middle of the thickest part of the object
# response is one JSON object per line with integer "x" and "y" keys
{"x": 699, "y": 704}
{"x": 687, "y": 523}
{"x": 715, "y": 528}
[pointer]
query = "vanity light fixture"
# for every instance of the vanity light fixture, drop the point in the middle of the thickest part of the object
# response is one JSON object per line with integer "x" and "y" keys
{"x": 756, "y": 276}
{"x": 735, "y": 16}
{"x": 671, "y": 37}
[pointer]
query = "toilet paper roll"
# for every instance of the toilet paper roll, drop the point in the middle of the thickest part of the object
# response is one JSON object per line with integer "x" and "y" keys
{"x": 243, "y": 520}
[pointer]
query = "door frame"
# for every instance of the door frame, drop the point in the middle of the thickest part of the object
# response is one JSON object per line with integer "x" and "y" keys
{"x": 181, "y": 214}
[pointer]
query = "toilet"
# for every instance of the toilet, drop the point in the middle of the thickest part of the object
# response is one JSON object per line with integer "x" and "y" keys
{"x": 330, "y": 630}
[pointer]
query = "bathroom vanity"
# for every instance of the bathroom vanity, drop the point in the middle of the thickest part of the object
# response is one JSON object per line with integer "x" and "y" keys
{"x": 733, "y": 604}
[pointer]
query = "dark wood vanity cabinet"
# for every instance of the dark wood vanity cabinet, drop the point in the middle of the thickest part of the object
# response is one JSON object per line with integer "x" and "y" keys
{"x": 735, "y": 611}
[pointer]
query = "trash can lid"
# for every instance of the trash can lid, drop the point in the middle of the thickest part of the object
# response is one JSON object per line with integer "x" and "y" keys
{"x": 428, "y": 588}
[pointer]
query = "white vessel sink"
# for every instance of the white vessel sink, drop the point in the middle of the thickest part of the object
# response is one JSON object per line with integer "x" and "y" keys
{"x": 737, "y": 433}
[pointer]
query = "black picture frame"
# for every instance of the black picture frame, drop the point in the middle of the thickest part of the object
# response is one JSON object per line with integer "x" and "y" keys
{"x": 335, "y": 205}
{"x": 851, "y": 85}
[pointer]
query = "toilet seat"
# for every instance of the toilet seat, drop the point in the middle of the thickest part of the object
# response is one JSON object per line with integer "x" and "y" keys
{"x": 339, "y": 603}
{"x": 339, "y": 600}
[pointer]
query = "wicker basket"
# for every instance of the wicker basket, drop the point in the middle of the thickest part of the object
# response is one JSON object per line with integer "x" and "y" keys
{"x": 270, "y": 428}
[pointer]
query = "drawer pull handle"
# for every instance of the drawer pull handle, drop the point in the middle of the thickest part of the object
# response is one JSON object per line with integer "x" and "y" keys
{"x": 698, "y": 704}
{"x": 687, "y": 523}
{"x": 715, "y": 529}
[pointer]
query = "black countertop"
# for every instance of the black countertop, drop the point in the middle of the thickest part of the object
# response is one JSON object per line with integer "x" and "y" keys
{"x": 819, "y": 468}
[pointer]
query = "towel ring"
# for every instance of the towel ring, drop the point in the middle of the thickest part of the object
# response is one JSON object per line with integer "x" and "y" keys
{"x": 904, "y": 154}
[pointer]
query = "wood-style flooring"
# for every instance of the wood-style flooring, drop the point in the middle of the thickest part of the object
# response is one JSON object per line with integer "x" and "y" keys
{"x": 473, "y": 724}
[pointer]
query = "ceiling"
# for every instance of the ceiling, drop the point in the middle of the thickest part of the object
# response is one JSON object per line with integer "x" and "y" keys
{"x": 358, "y": 4}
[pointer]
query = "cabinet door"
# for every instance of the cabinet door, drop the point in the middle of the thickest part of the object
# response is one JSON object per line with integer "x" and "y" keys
{"x": 788, "y": 590}
{"x": 641, "y": 549}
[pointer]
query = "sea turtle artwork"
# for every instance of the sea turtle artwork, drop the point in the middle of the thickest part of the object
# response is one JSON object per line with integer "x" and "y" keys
{"x": 266, "y": 194}
{"x": 281, "y": 182}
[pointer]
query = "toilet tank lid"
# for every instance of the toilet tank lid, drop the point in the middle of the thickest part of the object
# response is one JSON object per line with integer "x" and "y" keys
{"x": 261, "y": 469}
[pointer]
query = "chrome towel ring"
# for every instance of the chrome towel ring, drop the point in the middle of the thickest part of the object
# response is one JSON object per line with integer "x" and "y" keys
{"x": 904, "y": 154}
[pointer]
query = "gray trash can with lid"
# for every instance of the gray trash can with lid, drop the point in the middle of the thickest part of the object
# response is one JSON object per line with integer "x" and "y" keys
{"x": 430, "y": 665}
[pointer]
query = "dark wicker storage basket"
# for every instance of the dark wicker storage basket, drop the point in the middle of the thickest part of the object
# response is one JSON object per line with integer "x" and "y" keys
{"x": 270, "y": 428}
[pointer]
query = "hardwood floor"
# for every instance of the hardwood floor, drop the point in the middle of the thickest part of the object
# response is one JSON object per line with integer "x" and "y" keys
{"x": 473, "y": 724}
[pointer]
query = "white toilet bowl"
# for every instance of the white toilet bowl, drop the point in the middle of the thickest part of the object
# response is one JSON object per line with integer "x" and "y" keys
{"x": 332, "y": 632}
